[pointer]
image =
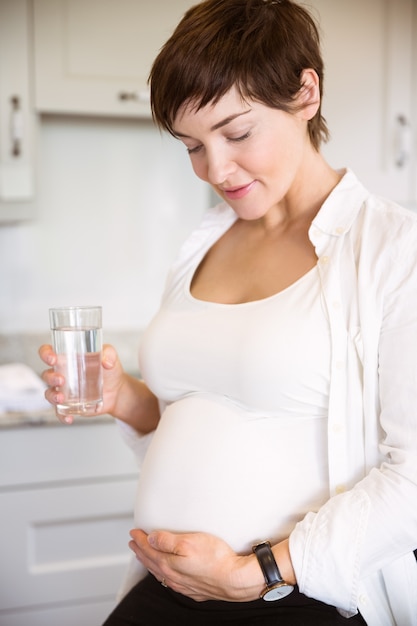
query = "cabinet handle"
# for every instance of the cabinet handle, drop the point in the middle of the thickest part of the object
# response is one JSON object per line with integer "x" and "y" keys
{"x": 133, "y": 96}
{"x": 403, "y": 141}
{"x": 16, "y": 126}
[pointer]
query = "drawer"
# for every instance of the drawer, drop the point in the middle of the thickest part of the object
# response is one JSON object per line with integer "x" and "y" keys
{"x": 65, "y": 544}
{"x": 30, "y": 456}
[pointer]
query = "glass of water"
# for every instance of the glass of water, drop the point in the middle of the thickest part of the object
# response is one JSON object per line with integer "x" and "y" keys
{"x": 77, "y": 340}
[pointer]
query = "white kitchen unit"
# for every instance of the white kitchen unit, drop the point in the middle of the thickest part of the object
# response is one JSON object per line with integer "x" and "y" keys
{"x": 94, "y": 56}
{"x": 16, "y": 116}
{"x": 370, "y": 90}
{"x": 66, "y": 501}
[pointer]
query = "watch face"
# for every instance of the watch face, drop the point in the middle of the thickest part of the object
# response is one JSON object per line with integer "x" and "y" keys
{"x": 277, "y": 592}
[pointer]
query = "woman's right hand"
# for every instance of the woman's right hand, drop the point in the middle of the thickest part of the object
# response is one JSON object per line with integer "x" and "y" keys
{"x": 124, "y": 397}
{"x": 113, "y": 378}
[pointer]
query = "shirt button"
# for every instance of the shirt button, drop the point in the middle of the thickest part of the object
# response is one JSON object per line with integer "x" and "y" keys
{"x": 339, "y": 230}
{"x": 339, "y": 365}
{"x": 336, "y": 304}
{"x": 324, "y": 260}
{"x": 340, "y": 489}
{"x": 362, "y": 599}
{"x": 337, "y": 428}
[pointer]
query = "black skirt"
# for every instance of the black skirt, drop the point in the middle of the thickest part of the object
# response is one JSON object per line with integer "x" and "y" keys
{"x": 151, "y": 604}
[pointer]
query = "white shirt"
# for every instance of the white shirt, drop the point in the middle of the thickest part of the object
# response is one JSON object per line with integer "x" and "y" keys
{"x": 247, "y": 389}
{"x": 356, "y": 551}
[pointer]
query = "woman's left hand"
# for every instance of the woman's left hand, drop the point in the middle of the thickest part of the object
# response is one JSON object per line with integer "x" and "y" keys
{"x": 198, "y": 565}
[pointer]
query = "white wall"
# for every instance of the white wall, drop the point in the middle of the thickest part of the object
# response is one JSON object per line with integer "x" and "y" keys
{"x": 115, "y": 199}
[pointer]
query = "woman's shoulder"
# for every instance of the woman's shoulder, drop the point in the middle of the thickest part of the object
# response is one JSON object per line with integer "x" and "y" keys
{"x": 377, "y": 229}
{"x": 385, "y": 233}
{"x": 390, "y": 221}
{"x": 387, "y": 208}
{"x": 355, "y": 204}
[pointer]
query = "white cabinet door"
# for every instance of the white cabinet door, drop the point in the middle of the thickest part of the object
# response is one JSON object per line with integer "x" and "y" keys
{"x": 66, "y": 507}
{"x": 94, "y": 56}
{"x": 63, "y": 546}
{"x": 16, "y": 121}
{"x": 367, "y": 47}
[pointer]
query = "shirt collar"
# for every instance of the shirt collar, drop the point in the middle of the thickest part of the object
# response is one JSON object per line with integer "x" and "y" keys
{"x": 339, "y": 210}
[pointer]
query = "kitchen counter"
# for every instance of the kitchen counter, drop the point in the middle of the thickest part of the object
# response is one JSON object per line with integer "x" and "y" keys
{"x": 30, "y": 419}
{"x": 22, "y": 402}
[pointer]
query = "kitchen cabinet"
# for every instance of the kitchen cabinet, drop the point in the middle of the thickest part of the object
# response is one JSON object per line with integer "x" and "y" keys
{"x": 16, "y": 118}
{"x": 370, "y": 88}
{"x": 94, "y": 56}
{"x": 66, "y": 501}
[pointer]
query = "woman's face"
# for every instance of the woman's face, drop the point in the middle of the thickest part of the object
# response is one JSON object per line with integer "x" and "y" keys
{"x": 255, "y": 157}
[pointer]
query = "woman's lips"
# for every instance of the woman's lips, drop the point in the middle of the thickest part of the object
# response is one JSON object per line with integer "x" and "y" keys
{"x": 236, "y": 193}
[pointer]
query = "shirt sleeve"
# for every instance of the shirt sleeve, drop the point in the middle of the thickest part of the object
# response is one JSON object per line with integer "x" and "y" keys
{"x": 134, "y": 440}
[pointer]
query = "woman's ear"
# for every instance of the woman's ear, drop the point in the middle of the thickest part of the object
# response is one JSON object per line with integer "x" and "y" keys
{"x": 308, "y": 97}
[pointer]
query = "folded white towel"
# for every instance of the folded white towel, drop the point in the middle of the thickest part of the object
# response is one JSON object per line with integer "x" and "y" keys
{"x": 21, "y": 389}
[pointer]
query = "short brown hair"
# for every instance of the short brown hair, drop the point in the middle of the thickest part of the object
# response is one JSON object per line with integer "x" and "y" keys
{"x": 259, "y": 46}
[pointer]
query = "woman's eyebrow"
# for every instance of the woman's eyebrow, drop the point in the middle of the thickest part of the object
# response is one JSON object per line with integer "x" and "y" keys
{"x": 229, "y": 119}
{"x": 220, "y": 124}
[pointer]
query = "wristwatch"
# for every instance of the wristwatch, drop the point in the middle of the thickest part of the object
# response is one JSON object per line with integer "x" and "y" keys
{"x": 276, "y": 587}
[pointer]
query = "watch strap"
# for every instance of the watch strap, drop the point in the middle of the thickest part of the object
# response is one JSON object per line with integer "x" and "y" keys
{"x": 267, "y": 563}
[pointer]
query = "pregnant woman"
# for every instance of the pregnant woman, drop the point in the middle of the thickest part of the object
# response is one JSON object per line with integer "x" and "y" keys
{"x": 279, "y": 375}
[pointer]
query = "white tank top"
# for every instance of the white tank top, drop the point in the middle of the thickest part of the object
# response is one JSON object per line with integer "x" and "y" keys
{"x": 241, "y": 449}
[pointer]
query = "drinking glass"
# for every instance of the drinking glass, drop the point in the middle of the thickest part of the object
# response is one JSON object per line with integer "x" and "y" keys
{"x": 77, "y": 341}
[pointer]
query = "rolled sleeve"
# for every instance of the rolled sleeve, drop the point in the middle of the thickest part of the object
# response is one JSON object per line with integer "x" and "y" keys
{"x": 316, "y": 540}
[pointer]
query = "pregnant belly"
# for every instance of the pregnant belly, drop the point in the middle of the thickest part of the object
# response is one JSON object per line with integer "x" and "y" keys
{"x": 244, "y": 477}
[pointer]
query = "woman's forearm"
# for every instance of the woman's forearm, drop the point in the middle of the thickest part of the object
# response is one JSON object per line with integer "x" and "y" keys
{"x": 136, "y": 405}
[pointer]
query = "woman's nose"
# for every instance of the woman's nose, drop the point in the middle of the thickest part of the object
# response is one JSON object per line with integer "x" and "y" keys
{"x": 219, "y": 167}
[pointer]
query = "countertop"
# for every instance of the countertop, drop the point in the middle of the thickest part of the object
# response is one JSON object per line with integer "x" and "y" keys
{"x": 46, "y": 417}
{"x": 22, "y": 402}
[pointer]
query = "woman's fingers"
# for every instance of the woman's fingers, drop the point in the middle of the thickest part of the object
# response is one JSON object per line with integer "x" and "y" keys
{"x": 47, "y": 354}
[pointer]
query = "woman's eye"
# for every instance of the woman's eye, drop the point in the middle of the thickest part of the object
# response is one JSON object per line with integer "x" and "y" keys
{"x": 194, "y": 150}
{"x": 198, "y": 148}
{"x": 241, "y": 138}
